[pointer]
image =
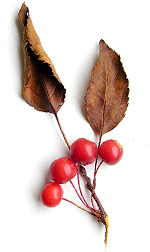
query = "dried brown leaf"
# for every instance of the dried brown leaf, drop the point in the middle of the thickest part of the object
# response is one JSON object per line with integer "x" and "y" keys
{"x": 107, "y": 95}
{"x": 42, "y": 87}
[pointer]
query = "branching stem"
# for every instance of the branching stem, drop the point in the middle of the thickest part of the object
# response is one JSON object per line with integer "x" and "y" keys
{"x": 91, "y": 189}
{"x": 77, "y": 192}
{"x": 101, "y": 214}
{"x": 82, "y": 193}
{"x": 76, "y": 205}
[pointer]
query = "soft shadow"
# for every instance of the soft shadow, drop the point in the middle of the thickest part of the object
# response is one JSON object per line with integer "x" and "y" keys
{"x": 86, "y": 77}
{"x": 20, "y": 53}
{"x": 36, "y": 193}
{"x": 98, "y": 225}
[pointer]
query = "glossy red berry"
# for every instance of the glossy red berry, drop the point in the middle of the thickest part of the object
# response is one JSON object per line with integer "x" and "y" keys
{"x": 62, "y": 170}
{"x": 51, "y": 194}
{"x": 83, "y": 151}
{"x": 111, "y": 151}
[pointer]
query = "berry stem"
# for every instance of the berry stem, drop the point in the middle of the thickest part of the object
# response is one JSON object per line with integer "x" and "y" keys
{"x": 77, "y": 192}
{"x": 76, "y": 205}
{"x": 96, "y": 172}
{"x": 94, "y": 181}
{"x": 82, "y": 193}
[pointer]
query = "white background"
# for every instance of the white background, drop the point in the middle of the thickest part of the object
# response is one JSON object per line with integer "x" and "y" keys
{"x": 30, "y": 140}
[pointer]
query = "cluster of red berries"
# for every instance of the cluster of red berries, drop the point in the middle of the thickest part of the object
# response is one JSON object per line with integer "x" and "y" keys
{"x": 82, "y": 152}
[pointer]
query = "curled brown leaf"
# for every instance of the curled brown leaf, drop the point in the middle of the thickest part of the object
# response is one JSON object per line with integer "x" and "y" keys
{"x": 107, "y": 95}
{"x": 42, "y": 87}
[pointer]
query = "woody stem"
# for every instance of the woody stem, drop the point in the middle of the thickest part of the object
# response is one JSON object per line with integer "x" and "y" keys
{"x": 60, "y": 127}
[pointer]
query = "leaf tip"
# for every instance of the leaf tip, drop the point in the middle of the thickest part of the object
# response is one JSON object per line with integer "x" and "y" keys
{"x": 23, "y": 14}
{"x": 102, "y": 42}
{"x": 103, "y": 45}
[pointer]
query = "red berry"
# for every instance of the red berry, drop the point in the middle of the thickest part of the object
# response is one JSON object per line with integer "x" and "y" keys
{"x": 83, "y": 151}
{"x": 62, "y": 170}
{"x": 111, "y": 151}
{"x": 51, "y": 194}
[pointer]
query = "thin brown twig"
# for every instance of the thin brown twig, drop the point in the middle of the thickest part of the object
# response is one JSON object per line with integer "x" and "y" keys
{"x": 60, "y": 127}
